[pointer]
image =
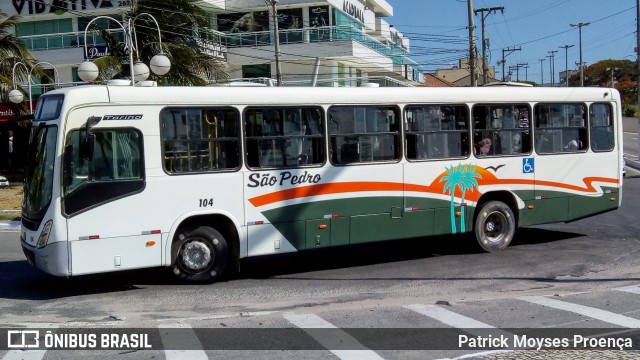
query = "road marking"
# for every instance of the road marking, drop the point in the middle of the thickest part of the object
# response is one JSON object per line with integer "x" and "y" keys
{"x": 456, "y": 320}
{"x": 186, "y": 339}
{"x": 220, "y": 316}
{"x": 633, "y": 289}
{"x": 24, "y": 355}
{"x": 338, "y": 342}
{"x": 29, "y": 354}
{"x": 598, "y": 314}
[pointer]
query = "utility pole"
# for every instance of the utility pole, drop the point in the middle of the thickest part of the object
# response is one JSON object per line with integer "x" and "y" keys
{"x": 580, "y": 25}
{"x": 524, "y": 66}
{"x": 550, "y": 68}
{"x": 485, "y": 68}
{"x": 542, "y": 71}
{"x": 276, "y": 35}
{"x": 553, "y": 66}
{"x": 508, "y": 51}
{"x": 566, "y": 63}
{"x": 526, "y": 71}
{"x": 472, "y": 46}
{"x": 612, "y": 78}
{"x": 638, "y": 67}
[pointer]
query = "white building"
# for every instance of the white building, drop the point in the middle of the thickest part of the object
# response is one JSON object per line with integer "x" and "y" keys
{"x": 343, "y": 42}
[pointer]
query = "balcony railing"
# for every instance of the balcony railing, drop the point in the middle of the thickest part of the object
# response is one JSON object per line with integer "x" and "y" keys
{"x": 313, "y": 35}
{"x": 250, "y": 39}
{"x": 66, "y": 40}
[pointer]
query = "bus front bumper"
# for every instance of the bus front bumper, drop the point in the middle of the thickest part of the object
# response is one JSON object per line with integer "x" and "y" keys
{"x": 43, "y": 258}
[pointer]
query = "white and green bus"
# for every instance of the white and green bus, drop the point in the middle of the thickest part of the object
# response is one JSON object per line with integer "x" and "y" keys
{"x": 197, "y": 178}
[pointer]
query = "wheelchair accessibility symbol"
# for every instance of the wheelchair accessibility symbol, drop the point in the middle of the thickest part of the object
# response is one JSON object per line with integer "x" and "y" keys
{"x": 528, "y": 165}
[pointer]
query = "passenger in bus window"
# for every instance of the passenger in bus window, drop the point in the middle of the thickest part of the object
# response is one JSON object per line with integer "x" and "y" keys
{"x": 483, "y": 147}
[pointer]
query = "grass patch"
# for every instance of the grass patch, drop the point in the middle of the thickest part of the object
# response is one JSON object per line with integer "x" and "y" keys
{"x": 11, "y": 198}
{"x": 10, "y": 216}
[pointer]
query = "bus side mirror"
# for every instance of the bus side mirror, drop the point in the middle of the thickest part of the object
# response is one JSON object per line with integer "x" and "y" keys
{"x": 86, "y": 147}
{"x": 68, "y": 166}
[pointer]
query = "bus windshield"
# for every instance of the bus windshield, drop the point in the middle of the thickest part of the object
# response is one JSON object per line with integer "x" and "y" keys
{"x": 39, "y": 171}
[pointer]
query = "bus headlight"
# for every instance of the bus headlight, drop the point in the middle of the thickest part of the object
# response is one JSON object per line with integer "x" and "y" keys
{"x": 44, "y": 235}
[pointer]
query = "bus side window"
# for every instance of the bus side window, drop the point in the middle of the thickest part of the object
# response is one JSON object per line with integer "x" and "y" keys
{"x": 602, "y": 131}
{"x": 560, "y": 128}
{"x": 362, "y": 134}
{"x": 199, "y": 140}
{"x": 289, "y": 137}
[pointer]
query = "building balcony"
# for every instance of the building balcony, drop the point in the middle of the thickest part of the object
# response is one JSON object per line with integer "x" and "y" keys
{"x": 312, "y": 35}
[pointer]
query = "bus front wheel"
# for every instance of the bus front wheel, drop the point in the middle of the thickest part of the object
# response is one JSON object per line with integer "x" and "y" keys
{"x": 495, "y": 226}
{"x": 201, "y": 255}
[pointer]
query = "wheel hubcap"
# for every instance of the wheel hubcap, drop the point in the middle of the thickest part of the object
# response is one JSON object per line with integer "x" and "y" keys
{"x": 196, "y": 255}
{"x": 495, "y": 226}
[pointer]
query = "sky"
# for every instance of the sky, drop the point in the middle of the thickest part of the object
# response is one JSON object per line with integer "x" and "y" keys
{"x": 439, "y": 35}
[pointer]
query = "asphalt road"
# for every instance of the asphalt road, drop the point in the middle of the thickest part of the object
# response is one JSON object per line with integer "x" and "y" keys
{"x": 576, "y": 276}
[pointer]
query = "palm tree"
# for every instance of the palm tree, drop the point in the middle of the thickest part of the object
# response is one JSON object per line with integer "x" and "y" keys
{"x": 452, "y": 181}
{"x": 12, "y": 50}
{"x": 463, "y": 177}
{"x": 468, "y": 181}
{"x": 180, "y": 22}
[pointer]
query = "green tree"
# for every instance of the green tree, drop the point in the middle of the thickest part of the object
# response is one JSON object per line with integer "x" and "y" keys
{"x": 12, "y": 50}
{"x": 624, "y": 73}
{"x": 183, "y": 27}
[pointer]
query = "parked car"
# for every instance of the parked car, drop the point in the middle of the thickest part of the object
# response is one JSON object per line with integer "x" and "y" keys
{"x": 3, "y": 181}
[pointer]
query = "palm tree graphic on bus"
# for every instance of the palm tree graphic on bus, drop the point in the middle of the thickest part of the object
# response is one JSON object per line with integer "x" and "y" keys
{"x": 464, "y": 178}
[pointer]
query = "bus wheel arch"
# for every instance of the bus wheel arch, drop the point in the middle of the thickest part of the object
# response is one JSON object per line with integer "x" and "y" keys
{"x": 206, "y": 233}
{"x": 495, "y": 220}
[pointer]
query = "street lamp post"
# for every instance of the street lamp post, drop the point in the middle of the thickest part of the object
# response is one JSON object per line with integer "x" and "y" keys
{"x": 15, "y": 96}
{"x": 553, "y": 66}
{"x": 579, "y": 26}
{"x": 160, "y": 63}
{"x": 566, "y": 62}
{"x": 276, "y": 36}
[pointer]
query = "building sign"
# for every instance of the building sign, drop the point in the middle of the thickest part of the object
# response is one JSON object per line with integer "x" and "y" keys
{"x": 397, "y": 38}
{"x": 243, "y": 22}
{"x": 6, "y": 112}
{"x": 212, "y": 49}
{"x": 96, "y": 51}
{"x": 59, "y": 7}
{"x": 319, "y": 16}
{"x": 355, "y": 10}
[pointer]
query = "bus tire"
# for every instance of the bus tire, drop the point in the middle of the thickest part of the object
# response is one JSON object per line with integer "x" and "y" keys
{"x": 495, "y": 226}
{"x": 201, "y": 256}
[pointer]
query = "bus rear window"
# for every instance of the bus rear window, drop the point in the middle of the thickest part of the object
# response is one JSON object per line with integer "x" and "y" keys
{"x": 48, "y": 107}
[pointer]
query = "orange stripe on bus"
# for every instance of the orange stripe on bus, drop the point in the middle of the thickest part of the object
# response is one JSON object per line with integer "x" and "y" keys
{"x": 323, "y": 189}
{"x": 436, "y": 187}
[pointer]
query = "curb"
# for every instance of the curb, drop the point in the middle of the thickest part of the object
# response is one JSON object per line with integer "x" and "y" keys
{"x": 10, "y": 226}
{"x": 634, "y": 164}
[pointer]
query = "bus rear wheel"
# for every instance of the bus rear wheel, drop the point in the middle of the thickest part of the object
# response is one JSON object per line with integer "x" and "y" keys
{"x": 495, "y": 226}
{"x": 201, "y": 256}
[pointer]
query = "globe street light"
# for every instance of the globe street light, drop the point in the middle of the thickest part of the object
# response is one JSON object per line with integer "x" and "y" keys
{"x": 160, "y": 63}
{"x": 15, "y": 95}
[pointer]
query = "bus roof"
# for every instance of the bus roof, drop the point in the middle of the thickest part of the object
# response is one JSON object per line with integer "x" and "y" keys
{"x": 173, "y": 95}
